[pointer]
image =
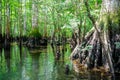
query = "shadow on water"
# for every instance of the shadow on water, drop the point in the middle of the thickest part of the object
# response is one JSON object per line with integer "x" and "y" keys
{"x": 22, "y": 63}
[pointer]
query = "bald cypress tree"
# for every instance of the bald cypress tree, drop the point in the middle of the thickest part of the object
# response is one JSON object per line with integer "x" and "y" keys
{"x": 104, "y": 40}
{"x": 0, "y": 20}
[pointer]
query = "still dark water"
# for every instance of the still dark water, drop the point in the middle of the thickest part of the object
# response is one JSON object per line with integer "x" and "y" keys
{"x": 39, "y": 64}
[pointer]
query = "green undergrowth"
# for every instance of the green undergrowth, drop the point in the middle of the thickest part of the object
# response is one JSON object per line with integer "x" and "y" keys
{"x": 110, "y": 21}
{"x": 34, "y": 33}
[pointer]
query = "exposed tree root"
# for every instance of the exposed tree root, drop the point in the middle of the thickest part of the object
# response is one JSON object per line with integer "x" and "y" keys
{"x": 96, "y": 53}
{"x": 101, "y": 46}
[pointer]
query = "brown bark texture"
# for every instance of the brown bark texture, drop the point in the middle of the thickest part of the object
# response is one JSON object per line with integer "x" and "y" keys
{"x": 101, "y": 46}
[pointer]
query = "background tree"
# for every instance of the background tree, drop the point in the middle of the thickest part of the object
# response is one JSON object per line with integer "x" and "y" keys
{"x": 0, "y": 20}
{"x": 7, "y": 26}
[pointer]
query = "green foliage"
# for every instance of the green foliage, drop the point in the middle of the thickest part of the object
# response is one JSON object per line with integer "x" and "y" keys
{"x": 3, "y": 64}
{"x": 35, "y": 33}
{"x": 117, "y": 44}
{"x": 89, "y": 47}
{"x": 52, "y": 15}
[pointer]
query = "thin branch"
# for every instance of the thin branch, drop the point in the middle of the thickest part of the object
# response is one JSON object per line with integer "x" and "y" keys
{"x": 90, "y": 16}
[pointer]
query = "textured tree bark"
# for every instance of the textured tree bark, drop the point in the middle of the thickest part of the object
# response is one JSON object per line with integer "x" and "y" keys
{"x": 109, "y": 20}
{"x": 0, "y": 20}
{"x": 25, "y": 17}
{"x": 20, "y": 23}
{"x": 100, "y": 48}
{"x": 8, "y": 21}
{"x": 34, "y": 14}
{"x": 7, "y": 25}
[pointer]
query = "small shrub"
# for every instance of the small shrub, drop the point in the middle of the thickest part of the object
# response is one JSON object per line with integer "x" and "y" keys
{"x": 35, "y": 33}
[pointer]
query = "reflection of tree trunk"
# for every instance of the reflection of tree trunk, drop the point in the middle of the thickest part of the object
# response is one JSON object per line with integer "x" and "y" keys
{"x": 56, "y": 52}
{"x": 7, "y": 57}
{"x": 20, "y": 46}
{"x": 53, "y": 49}
{"x": 0, "y": 50}
{"x": 104, "y": 40}
{"x": 35, "y": 66}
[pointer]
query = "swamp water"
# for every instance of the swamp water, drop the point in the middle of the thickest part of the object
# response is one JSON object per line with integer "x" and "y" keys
{"x": 39, "y": 64}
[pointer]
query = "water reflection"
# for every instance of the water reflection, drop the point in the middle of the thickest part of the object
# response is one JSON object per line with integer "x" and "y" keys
{"x": 22, "y": 63}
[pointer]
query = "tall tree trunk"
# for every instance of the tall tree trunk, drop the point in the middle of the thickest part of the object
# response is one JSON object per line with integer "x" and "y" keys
{"x": 96, "y": 3}
{"x": 8, "y": 20}
{"x": 20, "y": 21}
{"x": 25, "y": 17}
{"x": 4, "y": 18}
{"x": 7, "y": 25}
{"x": 110, "y": 25}
{"x": 54, "y": 24}
{"x": 104, "y": 40}
{"x": 34, "y": 14}
{"x": 45, "y": 26}
{"x": 0, "y": 20}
